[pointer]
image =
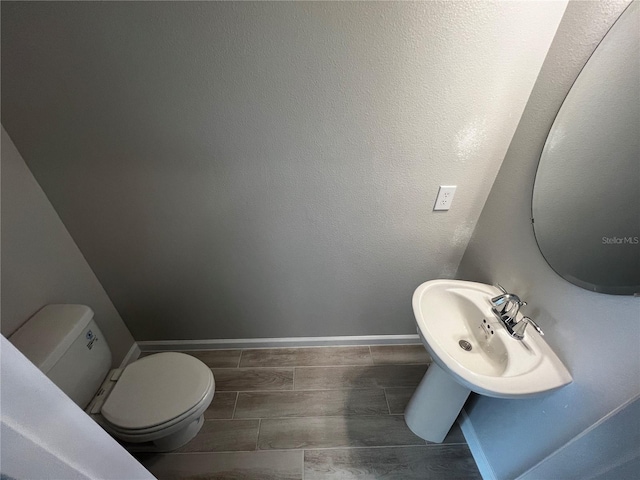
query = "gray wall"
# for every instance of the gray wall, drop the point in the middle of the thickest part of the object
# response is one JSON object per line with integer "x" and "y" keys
{"x": 607, "y": 451}
{"x": 259, "y": 169}
{"x": 41, "y": 264}
{"x": 595, "y": 335}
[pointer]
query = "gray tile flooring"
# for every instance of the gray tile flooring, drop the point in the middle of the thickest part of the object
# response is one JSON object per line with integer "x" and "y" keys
{"x": 314, "y": 413}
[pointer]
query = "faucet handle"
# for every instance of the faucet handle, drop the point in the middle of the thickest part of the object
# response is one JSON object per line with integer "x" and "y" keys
{"x": 518, "y": 331}
{"x": 500, "y": 287}
{"x": 534, "y": 325}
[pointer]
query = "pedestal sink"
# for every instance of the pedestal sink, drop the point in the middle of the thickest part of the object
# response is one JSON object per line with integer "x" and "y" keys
{"x": 472, "y": 351}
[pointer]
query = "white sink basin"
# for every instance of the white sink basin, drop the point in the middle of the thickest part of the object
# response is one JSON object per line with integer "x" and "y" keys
{"x": 448, "y": 311}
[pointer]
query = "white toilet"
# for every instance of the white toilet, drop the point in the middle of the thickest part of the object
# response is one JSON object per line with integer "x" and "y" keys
{"x": 155, "y": 404}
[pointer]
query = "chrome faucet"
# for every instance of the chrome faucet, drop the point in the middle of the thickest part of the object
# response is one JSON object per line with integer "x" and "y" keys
{"x": 506, "y": 307}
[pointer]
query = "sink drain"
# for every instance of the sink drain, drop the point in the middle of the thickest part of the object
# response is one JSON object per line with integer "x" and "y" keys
{"x": 465, "y": 345}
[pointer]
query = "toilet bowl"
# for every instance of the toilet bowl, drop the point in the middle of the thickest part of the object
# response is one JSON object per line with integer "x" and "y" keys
{"x": 155, "y": 404}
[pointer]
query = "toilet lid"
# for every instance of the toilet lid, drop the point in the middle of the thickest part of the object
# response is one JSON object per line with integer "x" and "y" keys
{"x": 156, "y": 389}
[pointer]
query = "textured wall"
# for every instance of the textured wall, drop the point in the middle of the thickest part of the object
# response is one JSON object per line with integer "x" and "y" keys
{"x": 40, "y": 262}
{"x": 239, "y": 169}
{"x": 596, "y": 335}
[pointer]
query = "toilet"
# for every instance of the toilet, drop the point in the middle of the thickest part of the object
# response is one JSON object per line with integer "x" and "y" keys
{"x": 155, "y": 404}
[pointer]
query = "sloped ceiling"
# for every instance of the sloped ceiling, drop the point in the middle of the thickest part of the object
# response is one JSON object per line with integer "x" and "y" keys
{"x": 258, "y": 169}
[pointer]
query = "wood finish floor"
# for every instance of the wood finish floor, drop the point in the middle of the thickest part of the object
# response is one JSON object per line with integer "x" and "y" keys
{"x": 314, "y": 413}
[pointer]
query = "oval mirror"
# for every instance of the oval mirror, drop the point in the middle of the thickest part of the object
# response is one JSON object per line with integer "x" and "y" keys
{"x": 586, "y": 196}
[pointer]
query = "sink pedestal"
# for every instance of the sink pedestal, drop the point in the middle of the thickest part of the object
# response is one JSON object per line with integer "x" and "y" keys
{"x": 435, "y": 405}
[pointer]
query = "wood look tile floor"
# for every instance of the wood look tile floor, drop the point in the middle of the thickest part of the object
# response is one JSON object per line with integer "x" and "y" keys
{"x": 314, "y": 413}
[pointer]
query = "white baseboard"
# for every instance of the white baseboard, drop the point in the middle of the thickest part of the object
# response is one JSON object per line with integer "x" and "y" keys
{"x": 131, "y": 356}
{"x": 474, "y": 445}
{"x": 227, "y": 343}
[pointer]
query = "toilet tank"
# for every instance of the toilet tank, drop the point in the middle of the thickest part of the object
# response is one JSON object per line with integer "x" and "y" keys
{"x": 66, "y": 344}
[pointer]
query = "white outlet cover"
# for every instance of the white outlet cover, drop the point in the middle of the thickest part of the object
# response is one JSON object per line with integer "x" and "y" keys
{"x": 445, "y": 197}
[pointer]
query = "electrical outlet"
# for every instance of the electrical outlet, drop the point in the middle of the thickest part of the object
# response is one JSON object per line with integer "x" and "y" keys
{"x": 445, "y": 197}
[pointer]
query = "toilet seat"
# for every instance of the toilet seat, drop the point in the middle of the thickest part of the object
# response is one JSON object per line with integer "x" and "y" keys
{"x": 164, "y": 426}
{"x": 157, "y": 393}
